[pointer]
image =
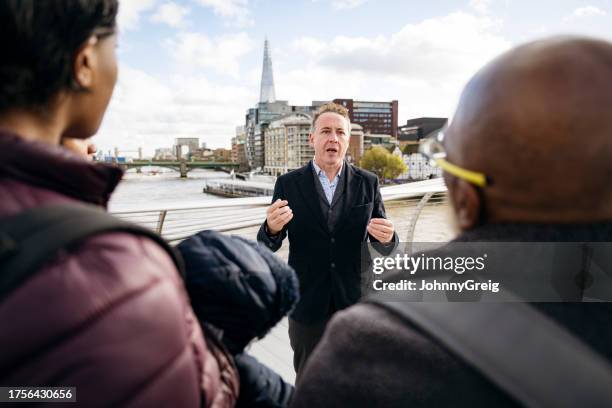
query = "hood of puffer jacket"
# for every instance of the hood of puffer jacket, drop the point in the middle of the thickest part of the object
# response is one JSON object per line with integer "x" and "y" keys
{"x": 56, "y": 169}
{"x": 240, "y": 288}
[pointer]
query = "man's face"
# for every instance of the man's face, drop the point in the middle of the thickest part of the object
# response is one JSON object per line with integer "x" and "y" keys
{"x": 330, "y": 139}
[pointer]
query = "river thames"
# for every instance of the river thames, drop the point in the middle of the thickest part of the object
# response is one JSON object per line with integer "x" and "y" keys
{"x": 138, "y": 191}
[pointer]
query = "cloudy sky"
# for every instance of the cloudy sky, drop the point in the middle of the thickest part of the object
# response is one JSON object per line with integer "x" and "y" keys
{"x": 191, "y": 68}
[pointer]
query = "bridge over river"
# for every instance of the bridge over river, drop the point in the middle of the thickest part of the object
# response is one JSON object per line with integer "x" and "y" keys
{"x": 182, "y": 166}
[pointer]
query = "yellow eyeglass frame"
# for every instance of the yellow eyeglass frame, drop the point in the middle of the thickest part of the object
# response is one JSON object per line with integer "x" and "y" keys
{"x": 433, "y": 149}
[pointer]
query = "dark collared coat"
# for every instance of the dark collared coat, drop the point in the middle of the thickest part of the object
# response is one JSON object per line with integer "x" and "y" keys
{"x": 327, "y": 260}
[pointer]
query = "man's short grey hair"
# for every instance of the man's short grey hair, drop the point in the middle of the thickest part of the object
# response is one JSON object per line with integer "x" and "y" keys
{"x": 333, "y": 108}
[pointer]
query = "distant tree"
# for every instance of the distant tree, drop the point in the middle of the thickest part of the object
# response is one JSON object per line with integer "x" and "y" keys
{"x": 395, "y": 167}
{"x": 375, "y": 160}
{"x": 382, "y": 163}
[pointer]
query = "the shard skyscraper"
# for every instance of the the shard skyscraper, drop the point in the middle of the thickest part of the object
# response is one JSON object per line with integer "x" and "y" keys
{"x": 266, "y": 93}
{"x": 267, "y": 110}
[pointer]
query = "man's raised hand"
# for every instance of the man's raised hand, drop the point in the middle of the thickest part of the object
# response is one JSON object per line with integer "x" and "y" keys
{"x": 381, "y": 229}
{"x": 278, "y": 215}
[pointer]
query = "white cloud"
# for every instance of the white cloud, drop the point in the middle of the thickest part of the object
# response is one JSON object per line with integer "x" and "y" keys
{"x": 221, "y": 54}
{"x": 130, "y": 11}
{"x": 587, "y": 11}
{"x": 309, "y": 45}
{"x": 423, "y": 65}
{"x": 347, "y": 4}
{"x": 235, "y": 11}
{"x": 150, "y": 112}
{"x": 344, "y": 4}
{"x": 435, "y": 49}
{"x": 480, "y": 6}
{"x": 171, "y": 14}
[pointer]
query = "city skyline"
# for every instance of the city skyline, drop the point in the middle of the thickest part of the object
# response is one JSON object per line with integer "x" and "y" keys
{"x": 192, "y": 68}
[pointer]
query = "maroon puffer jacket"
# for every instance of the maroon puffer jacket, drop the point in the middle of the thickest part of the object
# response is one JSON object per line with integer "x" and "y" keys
{"x": 112, "y": 317}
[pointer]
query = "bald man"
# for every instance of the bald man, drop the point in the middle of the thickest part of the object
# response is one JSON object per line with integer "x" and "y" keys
{"x": 537, "y": 123}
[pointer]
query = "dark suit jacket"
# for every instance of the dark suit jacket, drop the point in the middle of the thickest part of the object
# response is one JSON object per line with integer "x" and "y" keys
{"x": 327, "y": 262}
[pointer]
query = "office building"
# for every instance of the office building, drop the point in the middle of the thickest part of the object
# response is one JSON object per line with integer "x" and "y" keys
{"x": 286, "y": 144}
{"x": 374, "y": 117}
{"x": 192, "y": 144}
{"x": 410, "y": 134}
{"x": 356, "y": 144}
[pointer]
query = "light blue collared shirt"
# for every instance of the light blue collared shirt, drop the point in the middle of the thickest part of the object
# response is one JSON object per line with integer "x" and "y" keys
{"x": 329, "y": 188}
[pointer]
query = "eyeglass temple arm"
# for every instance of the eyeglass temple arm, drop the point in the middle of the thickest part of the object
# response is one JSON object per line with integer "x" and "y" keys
{"x": 473, "y": 177}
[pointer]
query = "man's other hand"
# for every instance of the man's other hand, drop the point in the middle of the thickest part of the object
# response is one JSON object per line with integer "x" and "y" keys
{"x": 278, "y": 215}
{"x": 381, "y": 229}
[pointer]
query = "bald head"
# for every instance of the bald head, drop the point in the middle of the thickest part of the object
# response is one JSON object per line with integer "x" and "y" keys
{"x": 538, "y": 121}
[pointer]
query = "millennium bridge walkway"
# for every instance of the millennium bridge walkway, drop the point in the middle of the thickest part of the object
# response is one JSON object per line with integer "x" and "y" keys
{"x": 418, "y": 211}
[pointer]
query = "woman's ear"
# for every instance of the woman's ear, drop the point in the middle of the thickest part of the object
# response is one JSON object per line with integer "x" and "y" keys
{"x": 466, "y": 201}
{"x": 84, "y": 62}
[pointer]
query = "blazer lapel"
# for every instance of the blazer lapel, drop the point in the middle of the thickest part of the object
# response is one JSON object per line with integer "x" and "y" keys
{"x": 352, "y": 188}
{"x": 310, "y": 195}
{"x": 341, "y": 187}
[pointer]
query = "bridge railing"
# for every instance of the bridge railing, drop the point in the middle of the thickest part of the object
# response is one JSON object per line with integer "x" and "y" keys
{"x": 228, "y": 215}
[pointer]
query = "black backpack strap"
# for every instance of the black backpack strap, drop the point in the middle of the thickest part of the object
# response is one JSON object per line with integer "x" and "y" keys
{"x": 33, "y": 237}
{"x": 526, "y": 354}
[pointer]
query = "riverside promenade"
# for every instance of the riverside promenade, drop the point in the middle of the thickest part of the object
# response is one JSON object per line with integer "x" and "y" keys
{"x": 418, "y": 210}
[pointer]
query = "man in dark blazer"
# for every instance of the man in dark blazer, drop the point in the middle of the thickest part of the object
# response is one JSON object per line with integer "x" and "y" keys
{"x": 328, "y": 208}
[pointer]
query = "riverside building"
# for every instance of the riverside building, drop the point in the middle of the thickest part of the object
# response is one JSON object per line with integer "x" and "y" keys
{"x": 374, "y": 117}
{"x": 286, "y": 144}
